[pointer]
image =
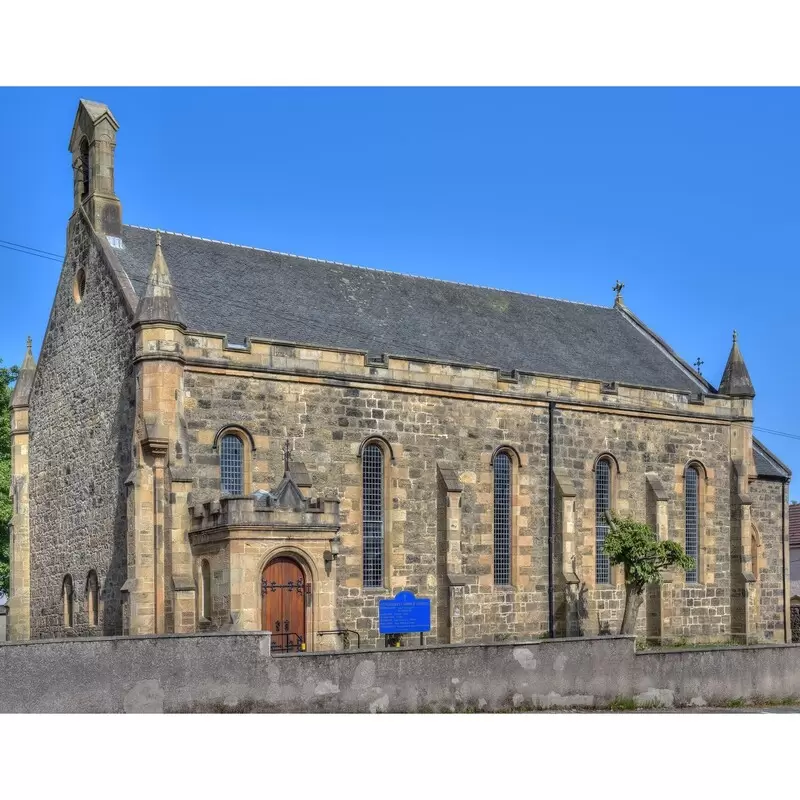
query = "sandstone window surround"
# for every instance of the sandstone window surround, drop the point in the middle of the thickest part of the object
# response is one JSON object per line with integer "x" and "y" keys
{"x": 91, "y": 598}
{"x": 376, "y": 458}
{"x": 204, "y": 595}
{"x": 235, "y": 445}
{"x": 505, "y": 465}
{"x": 606, "y": 470}
{"x": 67, "y": 598}
{"x": 694, "y": 492}
{"x": 502, "y": 473}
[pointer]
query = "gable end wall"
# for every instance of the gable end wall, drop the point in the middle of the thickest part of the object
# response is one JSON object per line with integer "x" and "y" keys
{"x": 81, "y": 416}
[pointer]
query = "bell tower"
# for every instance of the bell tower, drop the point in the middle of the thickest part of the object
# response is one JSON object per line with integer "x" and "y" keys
{"x": 92, "y": 143}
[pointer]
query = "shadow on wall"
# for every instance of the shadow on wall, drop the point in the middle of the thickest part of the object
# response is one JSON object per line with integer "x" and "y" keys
{"x": 118, "y": 568}
{"x": 583, "y": 608}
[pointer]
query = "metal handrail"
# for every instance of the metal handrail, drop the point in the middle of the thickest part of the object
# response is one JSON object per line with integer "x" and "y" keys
{"x": 289, "y": 647}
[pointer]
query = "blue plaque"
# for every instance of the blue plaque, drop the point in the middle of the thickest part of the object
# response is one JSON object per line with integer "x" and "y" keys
{"x": 404, "y": 613}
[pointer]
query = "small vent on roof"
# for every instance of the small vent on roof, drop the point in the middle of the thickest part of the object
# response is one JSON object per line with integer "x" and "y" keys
{"x": 115, "y": 242}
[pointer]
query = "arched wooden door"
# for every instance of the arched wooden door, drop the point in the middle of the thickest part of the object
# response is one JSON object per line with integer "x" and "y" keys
{"x": 284, "y": 589}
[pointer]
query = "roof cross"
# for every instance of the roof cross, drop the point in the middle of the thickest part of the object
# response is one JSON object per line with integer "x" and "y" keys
{"x": 697, "y": 364}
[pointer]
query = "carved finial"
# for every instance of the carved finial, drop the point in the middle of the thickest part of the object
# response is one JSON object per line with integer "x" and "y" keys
{"x": 735, "y": 336}
{"x": 697, "y": 364}
{"x": 29, "y": 344}
{"x": 286, "y": 450}
{"x": 618, "y": 287}
{"x": 158, "y": 238}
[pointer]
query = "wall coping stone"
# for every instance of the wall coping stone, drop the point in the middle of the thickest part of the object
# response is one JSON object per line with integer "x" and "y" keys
{"x": 154, "y": 636}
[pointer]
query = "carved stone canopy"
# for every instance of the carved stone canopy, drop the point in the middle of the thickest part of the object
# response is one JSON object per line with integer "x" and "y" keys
{"x": 287, "y": 495}
{"x": 283, "y": 508}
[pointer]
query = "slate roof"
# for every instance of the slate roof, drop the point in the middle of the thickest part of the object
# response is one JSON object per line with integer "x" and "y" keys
{"x": 245, "y": 292}
{"x": 767, "y": 463}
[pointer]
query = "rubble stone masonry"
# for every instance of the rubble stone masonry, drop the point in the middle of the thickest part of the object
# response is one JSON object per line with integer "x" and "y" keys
{"x": 328, "y": 423}
{"x": 81, "y": 415}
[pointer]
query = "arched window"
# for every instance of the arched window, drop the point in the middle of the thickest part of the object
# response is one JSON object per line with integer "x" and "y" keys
{"x": 84, "y": 169}
{"x": 91, "y": 597}
{"x": 602, "y": 503}
{"x": 67, "y": 596}
{"x": 79, "y": 285}
{"x": 231, "y": 465}
{"x": 372, "y": 472}
{"x": 691, "y": 491}
{"x": 502, "y": 518}
{"x": 205, "y": 589}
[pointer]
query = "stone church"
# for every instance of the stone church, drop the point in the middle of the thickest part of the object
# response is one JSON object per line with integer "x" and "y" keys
{"x": 217, "y": 437}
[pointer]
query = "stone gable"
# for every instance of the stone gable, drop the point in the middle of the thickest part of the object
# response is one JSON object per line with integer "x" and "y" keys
{"x": 81, "y": 414}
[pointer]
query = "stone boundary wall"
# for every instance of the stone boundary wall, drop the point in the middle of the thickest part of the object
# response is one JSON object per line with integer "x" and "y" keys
{"x": 235, "y": 672}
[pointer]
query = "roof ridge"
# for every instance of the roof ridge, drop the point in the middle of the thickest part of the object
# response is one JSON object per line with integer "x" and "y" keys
{"x": 369, "y": 269}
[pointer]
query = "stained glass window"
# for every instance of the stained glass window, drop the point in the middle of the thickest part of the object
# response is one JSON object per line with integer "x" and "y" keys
{"x": 692, "y": 483}
{"x": 502, "y": 519}
{"x": 231, "y": 465}
{"x": 602, "y": 503}
{"x": 373, "y": 516}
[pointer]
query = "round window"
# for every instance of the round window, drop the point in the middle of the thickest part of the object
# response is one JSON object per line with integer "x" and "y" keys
{"x": 79, "y": 287}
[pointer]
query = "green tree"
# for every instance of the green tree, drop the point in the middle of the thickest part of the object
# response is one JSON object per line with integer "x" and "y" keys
{"x": 7, "y": 377}
{"x": 635, "y": 546}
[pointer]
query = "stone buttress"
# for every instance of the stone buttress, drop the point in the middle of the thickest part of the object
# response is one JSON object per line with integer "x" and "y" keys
{"x": 20, "y": 600}
{"x": 160, "y": 588}
{"x": 737, "y": 385}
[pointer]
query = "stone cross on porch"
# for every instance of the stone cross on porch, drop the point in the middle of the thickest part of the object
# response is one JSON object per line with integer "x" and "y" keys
{"x": 287, "y": 449}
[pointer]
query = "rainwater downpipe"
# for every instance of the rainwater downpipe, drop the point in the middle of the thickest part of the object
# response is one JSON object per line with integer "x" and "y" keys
{"x": 786, "y": 611}
{"x": 551, "y": 523}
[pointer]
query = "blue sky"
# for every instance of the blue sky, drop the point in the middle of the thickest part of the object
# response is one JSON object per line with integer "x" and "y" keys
{"x": 689, "y": 196}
